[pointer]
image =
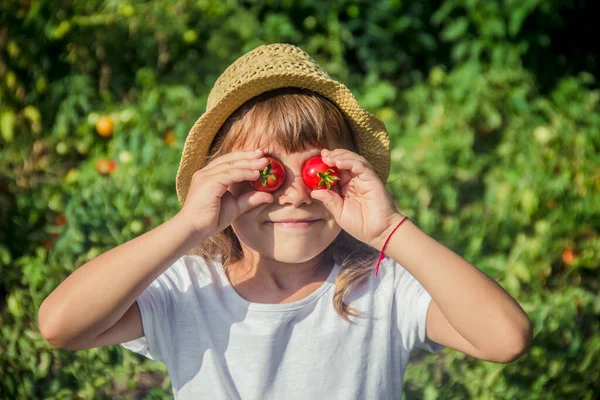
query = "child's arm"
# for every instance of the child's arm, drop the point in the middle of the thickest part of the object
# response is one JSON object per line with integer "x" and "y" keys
{"x": 469, "y": 311}
{"x": 96, "y": 305}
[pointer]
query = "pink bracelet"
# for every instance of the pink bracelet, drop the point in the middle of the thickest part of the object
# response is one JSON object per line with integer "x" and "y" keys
{"x": 381, "y": 254}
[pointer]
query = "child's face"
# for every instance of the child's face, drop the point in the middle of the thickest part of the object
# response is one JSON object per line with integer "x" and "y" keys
{"x": 259, "y": 230}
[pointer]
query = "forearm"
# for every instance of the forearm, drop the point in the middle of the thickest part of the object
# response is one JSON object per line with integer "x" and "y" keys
{"x": 475, "y": 305}
{"x": 97, "y": 295}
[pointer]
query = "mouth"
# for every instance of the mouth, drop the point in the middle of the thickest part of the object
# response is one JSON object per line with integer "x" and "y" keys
{"x": 290, "y": 223}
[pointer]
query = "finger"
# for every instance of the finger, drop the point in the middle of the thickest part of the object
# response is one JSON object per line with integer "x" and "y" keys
{"x": 231, "y": 158}
{"x": 327, "y": 152}
{"x": 226, "y": 178}
{"x": 255, "y": 164}
{"x": 345, "y": 176}
{"x": 249, "y": 200}
{"x": 356, "y": 167}
{"x": 340, "y": 153}
{"x": 331, "y": 200}
{"x": 235, "y": 156}
{"x": 343, "y": 154}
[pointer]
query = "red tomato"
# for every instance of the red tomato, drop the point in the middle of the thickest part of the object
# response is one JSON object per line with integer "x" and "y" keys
{"x": 106, "y": 166}
{"x": 568, "y": 256}
{"x": 271, "y": 177}
{"x": 318, "y": 175}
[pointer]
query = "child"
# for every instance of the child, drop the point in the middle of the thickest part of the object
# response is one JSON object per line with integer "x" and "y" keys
{"x": 266, "y": 295}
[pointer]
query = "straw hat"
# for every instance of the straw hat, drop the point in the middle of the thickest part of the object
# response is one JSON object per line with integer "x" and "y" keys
{"x": 271, "y": 67}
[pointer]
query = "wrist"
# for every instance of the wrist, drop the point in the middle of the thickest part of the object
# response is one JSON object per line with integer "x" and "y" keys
{"x": 387, "y": 235}
{"x": 190, "y": 228}
{"x": 394, "y": 221}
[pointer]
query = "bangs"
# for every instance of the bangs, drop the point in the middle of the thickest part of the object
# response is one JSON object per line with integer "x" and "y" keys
{"x": 291, "y": 119}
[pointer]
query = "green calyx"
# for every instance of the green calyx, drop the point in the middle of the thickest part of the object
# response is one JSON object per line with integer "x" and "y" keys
{"x": 326, "y": 178}
{"x": 265, "y": 174}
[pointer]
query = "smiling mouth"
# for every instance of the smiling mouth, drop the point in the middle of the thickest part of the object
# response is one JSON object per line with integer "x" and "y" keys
{"x": 293, "y": 224}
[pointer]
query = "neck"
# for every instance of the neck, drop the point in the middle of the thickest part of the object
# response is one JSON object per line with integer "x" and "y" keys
{"x": 273, "y": 275}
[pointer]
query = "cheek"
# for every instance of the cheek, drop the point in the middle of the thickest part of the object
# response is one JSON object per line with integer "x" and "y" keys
{"x": 240, "y": 228}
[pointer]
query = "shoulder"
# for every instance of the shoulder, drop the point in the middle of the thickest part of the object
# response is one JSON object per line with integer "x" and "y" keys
{"x": 393, "y": 280}
{"x": 381, "y": 287}
{"x": 396, "y": 274}
{"x": 391, "y": 273}
{"x": 187, "y": 271}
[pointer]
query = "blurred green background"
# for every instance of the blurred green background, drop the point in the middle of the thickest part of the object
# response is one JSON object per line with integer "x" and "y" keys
{"x": 493, "y": 108}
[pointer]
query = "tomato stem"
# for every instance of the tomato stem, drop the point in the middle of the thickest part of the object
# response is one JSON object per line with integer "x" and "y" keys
{"x": 265, "y": 174}
{"x": 326, "y": 178}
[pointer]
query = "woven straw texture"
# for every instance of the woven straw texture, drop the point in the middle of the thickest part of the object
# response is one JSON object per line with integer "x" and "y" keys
{"x": 271, "y": 67}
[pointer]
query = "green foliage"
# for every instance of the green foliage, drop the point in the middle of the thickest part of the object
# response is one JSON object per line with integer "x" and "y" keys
{"x": 508, "y": 179}
{"x": 494, "y": 154}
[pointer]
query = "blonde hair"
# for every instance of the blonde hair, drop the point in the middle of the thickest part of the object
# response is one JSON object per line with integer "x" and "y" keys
{"x": 295, "y": 119}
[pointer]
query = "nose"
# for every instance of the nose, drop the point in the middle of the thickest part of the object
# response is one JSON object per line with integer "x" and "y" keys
{"x": 295, "y": 192}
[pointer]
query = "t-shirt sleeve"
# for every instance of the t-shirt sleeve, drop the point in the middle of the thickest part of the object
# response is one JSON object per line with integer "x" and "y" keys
{"x": 160, "y": 306}
{"x": 411, "y": 303}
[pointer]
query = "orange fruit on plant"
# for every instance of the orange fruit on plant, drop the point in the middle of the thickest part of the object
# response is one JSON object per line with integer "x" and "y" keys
{"x": 105, "y": 126}
{"x": 50, "y": 239}
{"x": 106, "y": 167}
{"x": 568, "y": 256}
{"x": 60, "y": 220}
{"x": 169, "y": 138}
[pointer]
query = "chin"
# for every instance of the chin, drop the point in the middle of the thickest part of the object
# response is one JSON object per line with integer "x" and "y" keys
{"x": 293, "y": 257}
{"x": 288, "y": 244}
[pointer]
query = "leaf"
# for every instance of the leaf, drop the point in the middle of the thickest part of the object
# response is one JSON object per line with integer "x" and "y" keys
{"x": 32, "y": 114}
{"x": 44, "y": 364}
{"x": 5, "y": 255}
{"x": 455, "y": 29}
{"x": 377, "y": 95}
{"x": 7, "y": 125}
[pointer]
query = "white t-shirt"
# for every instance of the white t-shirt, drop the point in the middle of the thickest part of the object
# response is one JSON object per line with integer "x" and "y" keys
{"x": 217, "y": 345}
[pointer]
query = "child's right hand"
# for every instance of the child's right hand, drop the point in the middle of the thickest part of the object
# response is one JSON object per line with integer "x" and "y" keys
{"x": 209, "y": 206}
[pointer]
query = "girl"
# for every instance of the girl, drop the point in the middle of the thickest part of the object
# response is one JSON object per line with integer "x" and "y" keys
{"x": 254, "y": 294}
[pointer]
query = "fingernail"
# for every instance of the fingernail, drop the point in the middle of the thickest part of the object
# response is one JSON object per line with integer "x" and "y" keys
{"x": 257, "y": 150}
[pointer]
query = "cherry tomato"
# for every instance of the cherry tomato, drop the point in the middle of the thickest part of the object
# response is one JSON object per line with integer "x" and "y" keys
{"x": 271, "y": 177}
{"x": 106, "y": 166}
{"x": 169, "y": 138}
{"x": 568, "y": 256}
{"x": 105, "y": 126}
{"x": 318, "y": 175}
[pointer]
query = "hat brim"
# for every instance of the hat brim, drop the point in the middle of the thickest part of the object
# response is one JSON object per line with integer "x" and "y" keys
{"x": 370, "y": 133}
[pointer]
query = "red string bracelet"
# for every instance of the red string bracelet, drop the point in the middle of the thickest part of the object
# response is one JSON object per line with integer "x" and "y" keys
{"x": 381, "y": 254}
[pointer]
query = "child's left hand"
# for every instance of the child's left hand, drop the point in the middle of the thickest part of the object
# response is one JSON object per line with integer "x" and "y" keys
{"x": 365, "y": 208}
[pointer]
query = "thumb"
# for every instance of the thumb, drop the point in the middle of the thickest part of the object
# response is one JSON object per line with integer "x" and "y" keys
{"x": 330, "y": 199}
{"x": 250, "y": 200}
